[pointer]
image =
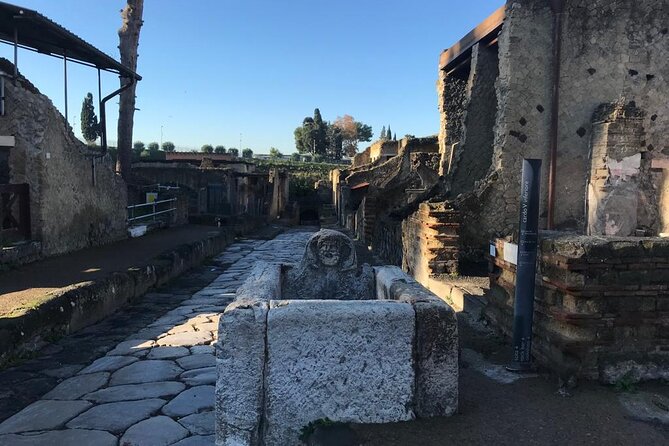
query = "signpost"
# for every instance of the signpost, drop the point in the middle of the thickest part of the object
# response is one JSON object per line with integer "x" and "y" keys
{"x": 523, "y": 309}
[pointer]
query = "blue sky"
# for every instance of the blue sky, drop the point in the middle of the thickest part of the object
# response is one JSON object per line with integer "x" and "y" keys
{"x": 215, "y": 69}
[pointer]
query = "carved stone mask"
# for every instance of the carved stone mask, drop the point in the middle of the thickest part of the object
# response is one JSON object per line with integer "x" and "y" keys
{"x": 329, "y": 252}
{"x": 330, "y": 249}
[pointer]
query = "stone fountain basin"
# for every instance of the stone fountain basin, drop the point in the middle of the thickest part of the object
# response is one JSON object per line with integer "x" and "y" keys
{"x": 285, "y": 363}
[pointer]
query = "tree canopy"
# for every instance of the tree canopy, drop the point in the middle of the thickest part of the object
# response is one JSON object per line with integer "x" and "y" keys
{"x": 207, "y": 148}
{"x": 352, "y": 132}
{"x": 168, "y": 146}
{"x": 330, "y": 140}
{"x": 220, "y": 149}
{"x": 234, "y": 152}
{"x": 247, "y": 153}
{"x": 274, "y": 153}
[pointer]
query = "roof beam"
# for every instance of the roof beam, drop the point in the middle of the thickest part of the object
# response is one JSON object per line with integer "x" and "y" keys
{"x": 488, "y": 29}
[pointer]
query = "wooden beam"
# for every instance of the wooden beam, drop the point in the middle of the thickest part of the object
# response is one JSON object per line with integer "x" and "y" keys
{"x": 486, "y": 29}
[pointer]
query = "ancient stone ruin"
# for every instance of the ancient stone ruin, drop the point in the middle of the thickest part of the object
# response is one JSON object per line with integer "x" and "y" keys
{"x": 594, "y": 110}
{"x": 295, "y": 347}
{"x": 329, "y": 270}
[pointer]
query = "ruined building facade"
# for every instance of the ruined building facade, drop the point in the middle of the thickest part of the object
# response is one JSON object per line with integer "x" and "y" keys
{"x": 56, "y": 191}
{"x": 583, "y": 86}
{"x": 496, "y": 99}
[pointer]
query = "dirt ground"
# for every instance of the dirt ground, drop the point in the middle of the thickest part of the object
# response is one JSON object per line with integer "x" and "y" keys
{"x": 528, "y": 411}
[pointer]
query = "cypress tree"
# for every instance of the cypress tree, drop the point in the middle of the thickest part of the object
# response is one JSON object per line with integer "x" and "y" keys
{"x": 90, "y": 129}
{"x": 383, "y": 133}
{"x": 389, "y": 134}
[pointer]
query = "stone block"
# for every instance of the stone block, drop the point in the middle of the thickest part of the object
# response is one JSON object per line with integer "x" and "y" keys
{"x": 346, "y": 361}
{"x": 264, "y": 282}
{"x": 240, "y": 362}
{"x": 436, "y": 350}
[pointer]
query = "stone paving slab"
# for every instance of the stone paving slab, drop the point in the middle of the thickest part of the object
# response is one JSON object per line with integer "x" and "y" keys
{"x": 65, "y": 437}
{"x": 156, "y": 385}
{"x": 43, "y": 415}
{"x": 116, "y": 417}
{"x": 132, "y": 392}
{"x": 156, "y": 431}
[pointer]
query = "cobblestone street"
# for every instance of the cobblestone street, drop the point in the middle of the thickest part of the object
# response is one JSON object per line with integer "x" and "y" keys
{"x": 155, "y": 387}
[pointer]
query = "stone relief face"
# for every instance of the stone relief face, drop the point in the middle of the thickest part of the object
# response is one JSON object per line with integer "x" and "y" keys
{"x": 329, "y": 252}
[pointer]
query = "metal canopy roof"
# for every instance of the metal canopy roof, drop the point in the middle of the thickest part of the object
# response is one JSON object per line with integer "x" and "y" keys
{"x": 37, "y": 32}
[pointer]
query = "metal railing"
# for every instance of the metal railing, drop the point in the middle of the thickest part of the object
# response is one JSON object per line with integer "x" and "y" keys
{"x": 14, "y": 211}
{"x": 151, "y": 210}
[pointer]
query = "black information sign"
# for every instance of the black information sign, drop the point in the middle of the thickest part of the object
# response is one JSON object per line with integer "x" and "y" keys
{"x": 523, "y": 309}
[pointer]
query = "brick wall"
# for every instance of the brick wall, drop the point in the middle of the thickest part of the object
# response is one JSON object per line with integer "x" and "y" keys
{"x": 601, "y": 306}
{"x": 430, "y": 242}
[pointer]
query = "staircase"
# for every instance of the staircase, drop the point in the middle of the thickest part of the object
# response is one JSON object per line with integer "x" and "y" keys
{"x": 327, "y": 216}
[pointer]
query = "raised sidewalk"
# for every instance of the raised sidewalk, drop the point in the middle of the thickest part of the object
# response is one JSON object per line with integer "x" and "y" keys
{"x": 60, "y": 295}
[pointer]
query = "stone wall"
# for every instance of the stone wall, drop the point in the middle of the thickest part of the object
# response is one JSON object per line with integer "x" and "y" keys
{"x": 387, "y": 241}
{"x": 69, "y": 210}
{"x": 473, "y": 156}
{"x": 452, "y": 95}
{"x": 362, "y": 158}
{"x": 610, "y": 50}
{"x": 601, "y": 306}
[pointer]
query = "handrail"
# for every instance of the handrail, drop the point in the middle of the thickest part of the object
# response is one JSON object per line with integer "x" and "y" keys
{"x": 153, "y": 214}
{"x": 151, "y": 203}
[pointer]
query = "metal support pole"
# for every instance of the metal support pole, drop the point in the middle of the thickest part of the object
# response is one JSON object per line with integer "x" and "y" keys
{"x": 558, "y": 8}
{"x": 16, "y": 53}
{"x": 65, "y": 80}
{"x": 523, "y": 305}
{"x": 99, "y": 92}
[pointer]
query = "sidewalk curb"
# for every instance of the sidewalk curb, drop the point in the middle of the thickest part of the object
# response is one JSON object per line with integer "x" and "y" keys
{"x": 77, "y": 306}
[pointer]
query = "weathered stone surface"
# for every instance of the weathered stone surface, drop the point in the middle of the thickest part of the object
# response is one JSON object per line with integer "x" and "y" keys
{"x": 109, "y": 364}
{"x": 73, "y": 388}
{"x": 196, "y": 440}
{"x": 437, "y": 359}
{"x": 43, "y": 415}
{"x": 324, "y": 360}
{"x": 436, "y": 348}
{"x": 197, "y": 377}
{"x": 132, "y": 392}
{"x": 646, "y": 406}
{"x": 156, "y": 431}
{"x": 199, "y": 423}
{"x": 264, "y": 282}
{"x": 186, "y": 339}
{"x": 328, "y": 270}
{"x": 194, "y": 400}
{"x": 64, "y": 372}
{"x": 240, "y": 359}
{"x": 130, "y": 347}
{"x": 146, "y": 371}
{"x": 197, "y": 361}
{"x": 116, "y": 417}
{"x": 386, "y": 276}
{"x": 65, "y": 437}
{"x": 202, "y": 349}
{"x": 167, "y": 352}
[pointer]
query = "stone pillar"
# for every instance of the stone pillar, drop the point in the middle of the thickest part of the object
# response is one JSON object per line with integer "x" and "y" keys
{"x": 617, "y": 166}
{"x": 274, "y": 204}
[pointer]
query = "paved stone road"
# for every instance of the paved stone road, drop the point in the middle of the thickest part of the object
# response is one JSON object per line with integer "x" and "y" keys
{"x": 157, "y": 386}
